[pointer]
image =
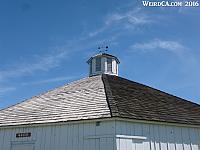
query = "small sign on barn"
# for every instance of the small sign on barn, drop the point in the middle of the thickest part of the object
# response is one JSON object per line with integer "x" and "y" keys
{"x": 22, "y": 135}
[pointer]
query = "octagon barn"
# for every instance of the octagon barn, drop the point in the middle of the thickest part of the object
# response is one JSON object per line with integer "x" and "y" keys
{"x": 101, "y": 112}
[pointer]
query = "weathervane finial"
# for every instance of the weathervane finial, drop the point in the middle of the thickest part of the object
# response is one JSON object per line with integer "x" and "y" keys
{"x": 103, "y": 48}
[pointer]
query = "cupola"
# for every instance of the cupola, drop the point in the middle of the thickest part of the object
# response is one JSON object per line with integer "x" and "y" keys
{"x": 103, "y": 63}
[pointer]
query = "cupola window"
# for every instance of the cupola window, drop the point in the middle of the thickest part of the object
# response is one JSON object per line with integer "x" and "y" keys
{"x": 90, "y": 68}
{"x": 98, "y": 64}
{"x": 109, "y": 64}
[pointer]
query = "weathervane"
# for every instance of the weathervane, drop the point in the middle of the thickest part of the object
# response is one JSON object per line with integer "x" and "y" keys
{"x": 103, "y": 49}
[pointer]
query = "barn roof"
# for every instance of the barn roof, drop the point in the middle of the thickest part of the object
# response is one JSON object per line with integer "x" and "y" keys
{"x": 102, "y": 96}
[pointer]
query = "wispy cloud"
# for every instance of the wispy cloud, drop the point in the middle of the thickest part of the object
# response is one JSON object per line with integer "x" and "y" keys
{"x": 184, "y": 64}
{"x": 51, "y": 80}
{"x": 98, "y": 31}
{"x": 46, "y": 62}
{"x": 42, "y": 63}
{"x": 6, "y": 89}
{"x": 131, "y": 19}
{"x": 157, "y": 44}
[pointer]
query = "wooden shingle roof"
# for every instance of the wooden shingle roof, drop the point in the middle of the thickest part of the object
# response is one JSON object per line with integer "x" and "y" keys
{"x": 102, "y": 96}
{"x": 128, "y": 99}
{"x": 82, "y": 99}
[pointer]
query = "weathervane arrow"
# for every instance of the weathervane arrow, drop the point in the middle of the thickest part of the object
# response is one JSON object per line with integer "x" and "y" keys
{"x": 103, "y": 49}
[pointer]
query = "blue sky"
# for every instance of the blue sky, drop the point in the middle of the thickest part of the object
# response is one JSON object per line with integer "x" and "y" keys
{"x": 45, "y": 44}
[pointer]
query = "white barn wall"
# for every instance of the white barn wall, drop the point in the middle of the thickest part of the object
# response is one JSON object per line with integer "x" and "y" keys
{"x": 88, "y": 136}
{"x": 158, "y": 137}
{"x": 72, "y": 136}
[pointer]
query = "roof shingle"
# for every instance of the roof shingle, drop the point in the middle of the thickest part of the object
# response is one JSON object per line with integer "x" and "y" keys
{"x": 132, "y": 100}
{"x": 83, "y": 99}
{"x": 102, "y": 96}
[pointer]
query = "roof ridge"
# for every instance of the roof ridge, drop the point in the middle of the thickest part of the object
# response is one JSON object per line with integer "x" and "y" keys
{"x": 109, "y": 97}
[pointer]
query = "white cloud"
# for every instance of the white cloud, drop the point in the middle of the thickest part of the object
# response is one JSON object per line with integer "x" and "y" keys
{"x": 6, "y": 89}
{"x": 157, "y": 44}
{"x": 96, "y": 32}
{"x": 46, "y": 62}
{"x": 42, "y": 63}
{"x": 133, "y": 17}
{"x": 124, "y": 20}
{"x": 185, "y": 66}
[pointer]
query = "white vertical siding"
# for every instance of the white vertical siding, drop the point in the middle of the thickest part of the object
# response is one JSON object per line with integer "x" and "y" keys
{"x": 163, "y": 138}
{"x": 158, "y": 137}
{"x": 90, "y": 136}
{"x": 193, "y": 133}
{"x": 186, "y": 139}
{"x": 170, "y": 138}
{"x": 147, "y": 142}
{"x": 73, "y": 136}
